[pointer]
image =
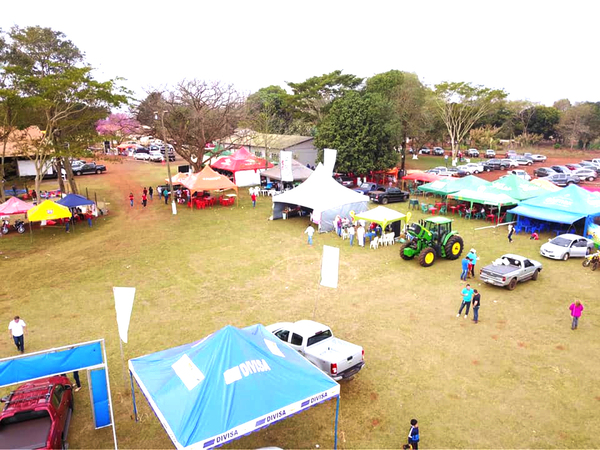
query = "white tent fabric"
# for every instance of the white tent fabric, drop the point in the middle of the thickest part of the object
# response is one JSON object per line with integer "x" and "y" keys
{"x": 325, "y": 196}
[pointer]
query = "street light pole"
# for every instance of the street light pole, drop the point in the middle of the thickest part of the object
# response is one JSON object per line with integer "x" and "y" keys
{"x": 164, "y": 135}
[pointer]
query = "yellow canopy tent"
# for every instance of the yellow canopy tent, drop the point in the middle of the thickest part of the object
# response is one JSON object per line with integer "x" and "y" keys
{"x": 48, "y": 210}
{"x": 545, "y": 184}
{"x": 381, "y": 215}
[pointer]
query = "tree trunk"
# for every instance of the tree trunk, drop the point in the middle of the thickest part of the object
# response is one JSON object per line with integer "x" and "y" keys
{"x": 4, "y": 143}
{"x": 61, "y": 184}
{"x": 71, "y": 178}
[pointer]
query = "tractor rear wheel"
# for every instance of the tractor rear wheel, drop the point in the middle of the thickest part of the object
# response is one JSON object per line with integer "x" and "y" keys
{"x": 427, "y": 257}
{"x": 454, "y": 247}
{"x": 403, "y": 255}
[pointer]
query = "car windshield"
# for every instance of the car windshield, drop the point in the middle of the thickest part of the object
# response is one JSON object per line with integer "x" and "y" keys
{"x": 560, "y": 241}
{"x": 319, "y": 337}
{"x": 365, "y": 185}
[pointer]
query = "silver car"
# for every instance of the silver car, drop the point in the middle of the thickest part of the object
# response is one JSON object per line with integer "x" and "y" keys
{"x": 585, "y": 174}
{"x": 566, "y": 246}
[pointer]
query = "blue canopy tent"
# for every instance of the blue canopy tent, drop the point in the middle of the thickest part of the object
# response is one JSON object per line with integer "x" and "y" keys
{"x": 227, "y": 385}
{"x": 74, "y": 200}
{"x": 566, "y": 206}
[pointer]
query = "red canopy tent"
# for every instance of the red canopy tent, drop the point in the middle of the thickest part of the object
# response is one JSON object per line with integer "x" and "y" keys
{"x": 244, "y": 166}
{"x": 422, "y": 176}
{"x": 14, "y": 206}
{"x": 591, "y": 188}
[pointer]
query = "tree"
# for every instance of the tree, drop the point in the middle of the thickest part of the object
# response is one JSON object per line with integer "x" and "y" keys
{"x": 357, "y": 127}
{"x": 574, "y": 123}
{"x": 562, "y": 105}
{"x": 197, "y": 113}
{"x": 544, "y": 120}
{"x": 118, "y": 126}
{"x": 268, "y": 108}
{"x": 313, "y": 97}
{"x": 49, "y": 72}
{"x": 461, "y": 105}
{"x": 484, "y": 137}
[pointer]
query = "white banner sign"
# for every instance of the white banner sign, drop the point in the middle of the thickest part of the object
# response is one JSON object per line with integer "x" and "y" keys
{"x": 329, "y": 156}
{"x": 330, "y": 266}
{"x": 123, "y": 306}
{"x": 285, "y": 165}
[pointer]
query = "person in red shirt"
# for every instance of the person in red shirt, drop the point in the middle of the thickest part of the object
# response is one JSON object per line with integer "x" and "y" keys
{"x": 131, "y": 199}
{"x": 89, "y": 216}
{"x": 144, "y": 200}
{"x": 253, "y": 197}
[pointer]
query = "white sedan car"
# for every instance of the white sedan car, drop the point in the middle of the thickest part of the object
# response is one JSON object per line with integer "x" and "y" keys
{"x": 141, "y": 156}
{"x": 472, "y": 168}
{"x": 566, "y": 246}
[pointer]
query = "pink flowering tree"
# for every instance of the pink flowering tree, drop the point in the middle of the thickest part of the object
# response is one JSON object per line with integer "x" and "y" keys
{"x": 118, "y": 126}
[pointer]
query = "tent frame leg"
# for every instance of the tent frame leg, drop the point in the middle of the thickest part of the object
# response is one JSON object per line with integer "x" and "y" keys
{"x": 133, "y": 397}
{"x": 337, "y": 412}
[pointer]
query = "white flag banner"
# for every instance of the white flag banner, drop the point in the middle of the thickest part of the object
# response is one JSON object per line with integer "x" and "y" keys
{"x": 123, "y": 306}
{"x": 330, "y": 266}
{"x": 329, "y": 156}
{"x": 285, "y": 165}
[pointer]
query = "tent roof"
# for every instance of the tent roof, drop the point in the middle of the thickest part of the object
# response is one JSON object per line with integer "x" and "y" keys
{"x": 545, "y": 184}
{"x": 74, "y": 200}
{"x": 229, "y": 384}
{"x": 550, "y": 215}
{"x": 207, "y": 180}
{"x": 178, "y": 177}
{"x": 590, "y": 188}
{"x": 320, "y": 192}
{"x": 572, "y": 199}
{"x": 299, "y": 171}
{"x": 517, "y": 187}
{"x": 422, "y": 176}
{"x": 380, "y": 215}
{"x": 484, "y": 194}
{"x": 447, "y": 185}
{"x": 241, "y": 160}
{"x": 48, "y": 210}
{"x": 14, "y": 206}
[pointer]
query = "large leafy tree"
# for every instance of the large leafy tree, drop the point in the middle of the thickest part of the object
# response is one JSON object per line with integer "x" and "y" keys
{"x": 118, "y": 126}
{"x": 50, "y": 73}
{"x": 544, "y": 120}
{"x": 575, "y": 124}
{"x": 461, "y": 105}
{"x": 357, "y": 127}
{"x": 313, "y": 97}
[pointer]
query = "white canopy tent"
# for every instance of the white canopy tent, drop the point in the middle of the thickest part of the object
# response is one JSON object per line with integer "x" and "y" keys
{"x": 325, "y": 196}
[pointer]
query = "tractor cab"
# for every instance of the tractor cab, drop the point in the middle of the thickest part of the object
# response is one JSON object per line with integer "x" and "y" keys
{"x": 439, "y": 227}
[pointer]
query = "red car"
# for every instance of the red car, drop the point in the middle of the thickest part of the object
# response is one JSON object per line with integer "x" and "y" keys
{"x": 37, "y": 414}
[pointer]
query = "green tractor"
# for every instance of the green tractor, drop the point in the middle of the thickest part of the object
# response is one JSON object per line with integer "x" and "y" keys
{"x": 432, "y": 238}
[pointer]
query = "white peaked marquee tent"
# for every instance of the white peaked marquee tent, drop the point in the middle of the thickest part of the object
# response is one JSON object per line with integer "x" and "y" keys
{"x": 325, "y": 196}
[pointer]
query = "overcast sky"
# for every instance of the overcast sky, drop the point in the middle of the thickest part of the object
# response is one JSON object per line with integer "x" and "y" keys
{"x": 536, "y": 50}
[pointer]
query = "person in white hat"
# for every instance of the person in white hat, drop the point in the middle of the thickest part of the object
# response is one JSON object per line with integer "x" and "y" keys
{"x": 472, "y": 257}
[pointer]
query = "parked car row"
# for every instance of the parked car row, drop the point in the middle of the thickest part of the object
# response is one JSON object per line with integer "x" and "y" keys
{"x": 564, "y": 175}
{"x": 153, "y": 153}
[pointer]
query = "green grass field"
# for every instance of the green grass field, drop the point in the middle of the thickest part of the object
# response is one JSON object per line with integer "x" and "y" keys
{"x": 518, "y": 379}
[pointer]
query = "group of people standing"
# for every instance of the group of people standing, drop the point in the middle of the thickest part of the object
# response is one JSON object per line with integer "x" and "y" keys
{"x": 468, "y": 265}
{"x": 470, "y": 297}
{"x": 356, "y": 230}
{"x": 146, "y": 192}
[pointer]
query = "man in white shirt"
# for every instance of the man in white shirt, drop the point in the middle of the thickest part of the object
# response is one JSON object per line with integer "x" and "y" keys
{"x": 310, "y": 231}
{"x": 16, "y": 329}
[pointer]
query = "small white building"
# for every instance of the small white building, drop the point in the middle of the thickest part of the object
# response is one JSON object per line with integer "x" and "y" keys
{"x": 268, "y": 146}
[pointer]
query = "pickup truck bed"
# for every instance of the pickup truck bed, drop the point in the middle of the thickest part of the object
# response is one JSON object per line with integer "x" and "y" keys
{"x": 28, "y": 434}
{"x": 499, "y": 270}
{"x": 336, "y": 351}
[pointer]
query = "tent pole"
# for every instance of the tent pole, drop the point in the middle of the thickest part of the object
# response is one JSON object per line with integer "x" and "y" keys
{"x": 30, "y": 232}
{"x": 337, "y": 412}
{"x": 133, "y": 397}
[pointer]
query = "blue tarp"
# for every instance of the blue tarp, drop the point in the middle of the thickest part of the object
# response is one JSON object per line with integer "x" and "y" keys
{"x": 565, "y": 206}
{"x": 74, "y": 200}
{"x": 227, "y": 385}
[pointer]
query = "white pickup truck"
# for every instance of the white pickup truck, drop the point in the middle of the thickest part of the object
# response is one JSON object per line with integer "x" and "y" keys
{"x": 339, "y": 359}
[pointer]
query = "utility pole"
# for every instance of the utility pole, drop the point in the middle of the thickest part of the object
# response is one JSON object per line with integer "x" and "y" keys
{"x": 166, "y": 147}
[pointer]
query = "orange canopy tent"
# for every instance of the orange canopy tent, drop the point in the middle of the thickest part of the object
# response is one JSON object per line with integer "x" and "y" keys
{"x": 207, "y": 180}
{"x": 422, "y": 176}
{"x": 178, "y": 177}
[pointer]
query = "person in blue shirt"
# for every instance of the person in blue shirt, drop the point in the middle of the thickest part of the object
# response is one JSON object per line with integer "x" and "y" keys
{"x": 413, "y": 435}
{"x": 467, "y": 294}
{"x": 465, "y": 269}
{"x": 472, "y": 257}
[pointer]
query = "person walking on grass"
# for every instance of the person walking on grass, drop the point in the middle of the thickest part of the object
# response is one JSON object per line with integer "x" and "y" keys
{"x": 165, "y": 194}
{"x": 472, "y": 257}
{"x": 253, "y": 197}
{"x": 145, "y": 191}
{"x": 476, "y": 304}
{"x": 131, "y": 199}
{"x": 150, "y": 192}
{"x": 351, "y": 232}
{"x": 310, "y": 231}
{"x": 144, "y": 198}
{"x": 413, "y": 435}
{"x": 465, "y": 269}
{"x": 17, "y": 329}
{"x": 511, "y": 231}
{"x": 576, "y": 309}
{"x": 467, "y": 294}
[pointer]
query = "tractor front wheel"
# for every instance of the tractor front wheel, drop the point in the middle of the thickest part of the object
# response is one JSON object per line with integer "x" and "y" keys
{"x": 403, "y": 254}
{"x": 454, "y": 247}
{"x": 427, "y": 257}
